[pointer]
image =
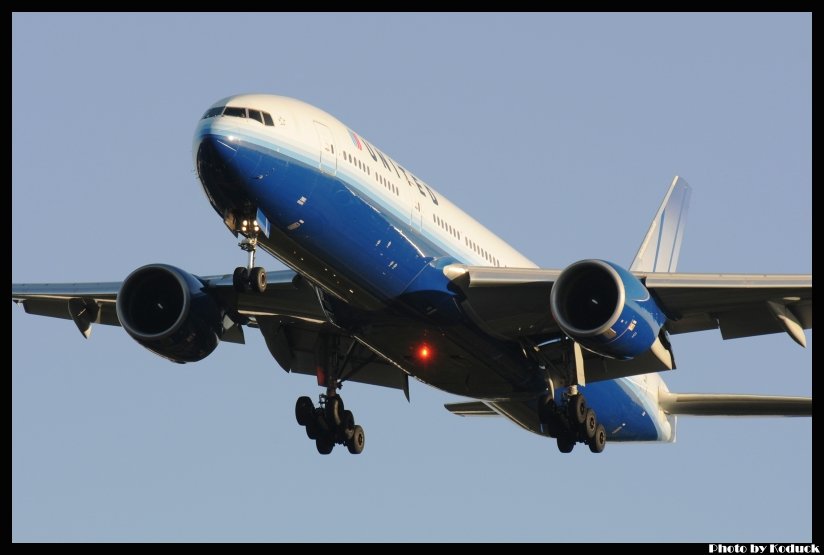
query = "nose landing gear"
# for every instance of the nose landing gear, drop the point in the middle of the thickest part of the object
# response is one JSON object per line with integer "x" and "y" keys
{"x": 251, "y": 277}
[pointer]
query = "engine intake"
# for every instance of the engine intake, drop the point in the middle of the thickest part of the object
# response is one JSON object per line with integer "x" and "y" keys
{"x": 167, "y": 311}
{"x": 606, "y": 309}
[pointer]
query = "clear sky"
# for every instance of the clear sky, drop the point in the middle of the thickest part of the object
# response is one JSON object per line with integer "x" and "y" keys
{"x": 560, "y": 132}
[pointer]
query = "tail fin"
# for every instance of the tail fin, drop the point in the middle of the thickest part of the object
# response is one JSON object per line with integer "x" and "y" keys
{"x": 662, "y": 243}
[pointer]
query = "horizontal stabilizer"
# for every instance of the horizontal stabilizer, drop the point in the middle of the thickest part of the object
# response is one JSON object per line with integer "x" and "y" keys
{"x": 472, "y": 408}
{"x": 719, "y": 404}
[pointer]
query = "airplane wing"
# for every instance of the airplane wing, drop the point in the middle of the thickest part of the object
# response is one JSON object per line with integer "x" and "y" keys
{"x": 288, "y": 314}
{"x": 513, "y": 303}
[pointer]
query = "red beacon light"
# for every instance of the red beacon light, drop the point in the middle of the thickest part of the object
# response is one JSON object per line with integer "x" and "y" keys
{"x": 424, "y": 352}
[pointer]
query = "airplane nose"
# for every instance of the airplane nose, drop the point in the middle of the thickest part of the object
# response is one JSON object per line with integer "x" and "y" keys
{"x": 216, "y": 168}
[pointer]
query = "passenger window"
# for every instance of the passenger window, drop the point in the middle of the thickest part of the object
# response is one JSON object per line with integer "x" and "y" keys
{"x": 255, "y": 114}
{"x": 236, "y": 112}
{"x": 267, "y": 119}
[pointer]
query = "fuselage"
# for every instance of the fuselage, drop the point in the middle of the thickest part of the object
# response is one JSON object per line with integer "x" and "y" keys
{"x": 373, "y": 238}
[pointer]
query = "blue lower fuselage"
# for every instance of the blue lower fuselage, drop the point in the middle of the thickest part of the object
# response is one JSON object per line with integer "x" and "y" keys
{"x": 375, "y": 266}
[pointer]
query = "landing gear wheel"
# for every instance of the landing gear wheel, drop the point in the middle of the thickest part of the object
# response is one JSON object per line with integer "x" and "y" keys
{"x": 304, "y": 410}
{"x": 565, "y": 443}
{"x": 347, "y": 425}
{"x": 599, "y": 440}
{"x": 334, "y": 411}
{"x": 357, "y": 442}
{"x": 240, "y": 279}
{"x": 577, "y": 409}
{"x": 312, "y": 429}
{"x": 324, "y": 445}
{"x": 590, "y": 424}
{"x": 257, "y": 279}
{"x": 549, "y": 418}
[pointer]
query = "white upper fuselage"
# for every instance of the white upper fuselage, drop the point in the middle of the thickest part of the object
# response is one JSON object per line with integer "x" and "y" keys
{"x": 393, "y": 187}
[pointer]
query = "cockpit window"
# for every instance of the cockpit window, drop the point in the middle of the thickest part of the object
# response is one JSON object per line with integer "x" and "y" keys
{"x": 236, "y": 112}
{"x": 255, "y": 114}
{"x": 212, "y": 112}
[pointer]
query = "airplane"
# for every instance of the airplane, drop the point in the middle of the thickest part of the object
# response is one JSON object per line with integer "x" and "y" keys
{"x": 388, "y": 279}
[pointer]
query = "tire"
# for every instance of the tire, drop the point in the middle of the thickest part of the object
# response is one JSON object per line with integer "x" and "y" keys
{"x": 590, "y": 424}
{"x": 546, "y": 411}
{"x": 565, "y": 443}
{"x": 311, "y": 430}
{"x": 599, "y": 440}
{"x": 324, "y": 445}
{"x": 240, "y": 279}
{"x": 334, "y": 411}
{"x": 257, "y": 278}
{"x": 358, "y": 441}
{"x": 304, "y": 410}
{"x": 550, "y": 418}
{"x": 577, "y": 409}
{"x": 347, "y": 425}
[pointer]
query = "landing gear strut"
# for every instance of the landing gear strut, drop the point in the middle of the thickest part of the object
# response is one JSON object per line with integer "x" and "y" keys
{"x": 251, "y": 277}
{"x": 573, "y": 422}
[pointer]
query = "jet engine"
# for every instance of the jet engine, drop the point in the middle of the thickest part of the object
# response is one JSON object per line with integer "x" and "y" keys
{"x": 167, "y": 311}
{"x": 606, "y": 309}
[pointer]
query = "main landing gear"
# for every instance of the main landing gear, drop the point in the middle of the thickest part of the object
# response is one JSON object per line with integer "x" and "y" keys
{"x": 329, "y": 423}
{"x": 573, "y": 422}
{"x": 251, "y": 277}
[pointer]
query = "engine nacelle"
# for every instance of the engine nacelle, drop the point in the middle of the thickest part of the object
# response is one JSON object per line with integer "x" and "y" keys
{"x": 606, "y": 309}
{"x": 167, "y": 311}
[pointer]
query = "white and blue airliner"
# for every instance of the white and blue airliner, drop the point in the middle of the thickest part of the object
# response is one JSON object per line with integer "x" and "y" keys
{"x": 388, "y": 279}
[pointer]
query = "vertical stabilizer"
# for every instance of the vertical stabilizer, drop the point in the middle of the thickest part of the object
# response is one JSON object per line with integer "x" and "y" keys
{"x": 662, "y": 243}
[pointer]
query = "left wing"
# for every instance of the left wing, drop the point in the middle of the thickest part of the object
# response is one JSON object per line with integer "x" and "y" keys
{"x": 513, "y": 303}
{"x": 740, "y": 305}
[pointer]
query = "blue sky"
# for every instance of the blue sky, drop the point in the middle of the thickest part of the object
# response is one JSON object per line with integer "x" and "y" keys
{"x": 560, "y": 132}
